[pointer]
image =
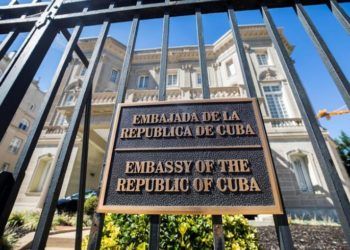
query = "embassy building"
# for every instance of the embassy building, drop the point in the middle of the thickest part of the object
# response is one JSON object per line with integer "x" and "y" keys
{"x": 301, "y": 179}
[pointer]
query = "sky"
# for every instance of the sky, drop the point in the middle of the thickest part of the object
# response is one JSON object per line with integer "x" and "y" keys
{"x": 316, "y": 79}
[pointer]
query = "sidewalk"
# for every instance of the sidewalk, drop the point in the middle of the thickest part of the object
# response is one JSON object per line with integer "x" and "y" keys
{"x": 63, "y": 239}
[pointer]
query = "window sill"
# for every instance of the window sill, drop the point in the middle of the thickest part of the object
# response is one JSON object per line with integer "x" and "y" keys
{"x": 266, "y": 66}
{"x": 33, "y": 194}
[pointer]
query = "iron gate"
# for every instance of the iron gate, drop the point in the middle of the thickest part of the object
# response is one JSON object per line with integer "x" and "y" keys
{"x": 44, "y": 20}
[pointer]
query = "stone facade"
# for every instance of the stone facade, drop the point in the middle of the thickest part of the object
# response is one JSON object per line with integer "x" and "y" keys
{"x": 302, "y": 181}
{"x": 12, "y": 143}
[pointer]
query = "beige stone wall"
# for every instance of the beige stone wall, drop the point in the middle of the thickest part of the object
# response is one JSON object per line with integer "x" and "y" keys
{"x": 27, "y": 110}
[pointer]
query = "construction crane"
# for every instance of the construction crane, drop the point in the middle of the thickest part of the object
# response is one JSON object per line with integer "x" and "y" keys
{"x": 324, "y": 113}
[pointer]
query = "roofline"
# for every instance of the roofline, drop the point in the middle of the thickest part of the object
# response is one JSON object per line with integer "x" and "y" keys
{"x": 192, "y": 46}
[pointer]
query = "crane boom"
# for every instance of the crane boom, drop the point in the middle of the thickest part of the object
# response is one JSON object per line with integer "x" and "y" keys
{"x": 324, "y": 113}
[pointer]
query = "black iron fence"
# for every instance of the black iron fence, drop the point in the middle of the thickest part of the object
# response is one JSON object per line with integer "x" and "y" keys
{"x": 43, "y": 20}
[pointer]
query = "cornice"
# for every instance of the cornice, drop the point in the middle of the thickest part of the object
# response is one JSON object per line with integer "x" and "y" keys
{"x": 249, "y": 33}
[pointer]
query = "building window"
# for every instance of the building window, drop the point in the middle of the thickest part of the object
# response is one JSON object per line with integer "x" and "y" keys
{"x": 172, "y": 80}
{"x": 5, "y": 166}
{"x": 15, "y": 145}
{"x": 114, "y": 76}
{"x": 69, "y": 99}
{"x": 143, "y": 82}
{"x": 263, "y": 59}
{"x": 83, "y": 71}
{"x": 230, "y": 68}
{"x": 301, "y": 173}
{"x": 40, "y": 174}
{"x": 24, "y": 125}
{"x": 275, "y": 102}
{"x": 199, "y": 79}
{"x": 61, "y": 120}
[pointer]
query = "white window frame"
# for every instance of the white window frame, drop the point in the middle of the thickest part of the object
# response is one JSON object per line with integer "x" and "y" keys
{"x": 280, "y": 104}
{"x": 115, "y": 79}
{"x": 230, "y": 69}
{"x": 69, "y": 102}
{"x": 259, "y": 58}
{"x": 61, "y": 119}
{"x": 172, "y": 83}
{"x": 15, "y": 145}
{"x": 141, "y": 83}
{"x": 301, "y": 171}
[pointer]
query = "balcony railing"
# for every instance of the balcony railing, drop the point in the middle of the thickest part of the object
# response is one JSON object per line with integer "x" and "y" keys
{"x": 151, "y": 95}
{"x": 284, "y": 122}
{"x": 54, "y": 129}
{"x": 184, "y": 93}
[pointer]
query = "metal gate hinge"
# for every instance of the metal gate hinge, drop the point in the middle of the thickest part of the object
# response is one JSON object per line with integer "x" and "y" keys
{"x": 47, "y": 15}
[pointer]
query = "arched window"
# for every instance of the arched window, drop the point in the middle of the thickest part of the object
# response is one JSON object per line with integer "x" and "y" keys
{"x": 24, "y": 124}
{"x": 40, "y": 173}
{"x": 301, "y": 171}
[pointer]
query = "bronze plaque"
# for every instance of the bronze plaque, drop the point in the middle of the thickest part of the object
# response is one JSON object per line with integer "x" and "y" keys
{"x": 190, "y": 157}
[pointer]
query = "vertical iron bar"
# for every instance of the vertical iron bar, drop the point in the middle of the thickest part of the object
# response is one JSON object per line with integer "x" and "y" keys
{"x": 202, "y": 55}
{"x": 14, "y": 59}
{"x": 84, "y": 156}
{"x": 83, "y": 169}
{"x": 284, "y": 235}
{"x": 127, "y": 61}
{"x": 49, "y": 208}
{"x": 327, "y": 57}
{"x": 333, "y": 181}
{"x": 247, "y": 77}
{"x": 34, "y": 134}
{"x": 77, "y": 49}
{"x": 164, "y": 58}
{"x": 219, "y": 241}
{"x": 19, "y": 77}
{"x": 218, "y": 231}
{"x": 98, "y": 218}
{"x": 340, "y": 14}
{"x": 153, "y": 241}
{"x": 7, "y": 42}
{"x": 281, "y": 221}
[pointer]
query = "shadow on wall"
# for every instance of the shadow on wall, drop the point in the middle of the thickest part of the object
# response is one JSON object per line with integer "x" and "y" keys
{"x": 315, "y": 204}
